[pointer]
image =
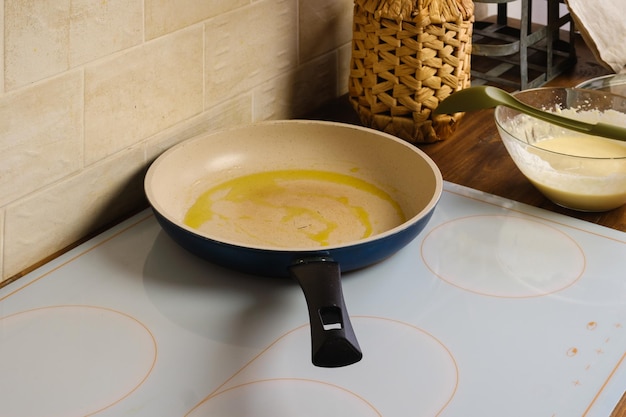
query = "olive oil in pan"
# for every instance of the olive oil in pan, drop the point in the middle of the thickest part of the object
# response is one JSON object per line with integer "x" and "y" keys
{"x": 294, "y": 209}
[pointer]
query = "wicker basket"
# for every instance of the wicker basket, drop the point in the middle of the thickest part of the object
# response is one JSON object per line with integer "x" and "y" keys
{"x": 407, "y": 56}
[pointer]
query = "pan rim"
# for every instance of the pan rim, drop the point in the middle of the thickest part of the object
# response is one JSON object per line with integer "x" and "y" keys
{"x": 430, "y": 206}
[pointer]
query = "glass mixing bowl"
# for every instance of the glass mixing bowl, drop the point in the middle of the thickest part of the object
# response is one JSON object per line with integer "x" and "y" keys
{"x": 574, "y": 170}
{"x": 613, "y": 83}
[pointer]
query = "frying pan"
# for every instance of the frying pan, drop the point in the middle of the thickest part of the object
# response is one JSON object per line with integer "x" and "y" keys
{"x": 347, "y": 197}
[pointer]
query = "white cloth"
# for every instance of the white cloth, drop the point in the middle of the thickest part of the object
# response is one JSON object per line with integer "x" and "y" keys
{"x": 603, "y": 27}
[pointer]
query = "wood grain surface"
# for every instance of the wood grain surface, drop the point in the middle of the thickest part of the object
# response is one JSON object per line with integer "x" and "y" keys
{"x": 620, "y": 408}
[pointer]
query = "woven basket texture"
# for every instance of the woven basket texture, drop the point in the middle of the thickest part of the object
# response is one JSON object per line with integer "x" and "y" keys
{"x": 407, "y": 56}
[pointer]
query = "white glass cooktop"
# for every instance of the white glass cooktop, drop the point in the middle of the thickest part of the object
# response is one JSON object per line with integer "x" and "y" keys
{"x": 496, "y": 309}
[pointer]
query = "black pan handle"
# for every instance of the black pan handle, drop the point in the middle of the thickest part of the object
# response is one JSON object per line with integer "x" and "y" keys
{"x": 333, "y": 341}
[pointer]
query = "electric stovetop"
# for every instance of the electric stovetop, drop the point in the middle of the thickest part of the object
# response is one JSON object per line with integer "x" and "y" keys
{"x": 495, "y": 309}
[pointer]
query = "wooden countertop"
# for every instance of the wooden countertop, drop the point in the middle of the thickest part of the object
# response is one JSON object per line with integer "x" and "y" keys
{"x": 474, "y": 156}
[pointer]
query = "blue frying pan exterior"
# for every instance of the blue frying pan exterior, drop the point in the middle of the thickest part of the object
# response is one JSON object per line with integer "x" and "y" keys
{"x": 276, "y": 263}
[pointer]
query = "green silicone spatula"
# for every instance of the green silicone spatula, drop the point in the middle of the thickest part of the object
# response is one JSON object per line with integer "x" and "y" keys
{"x": 486, "y": 97}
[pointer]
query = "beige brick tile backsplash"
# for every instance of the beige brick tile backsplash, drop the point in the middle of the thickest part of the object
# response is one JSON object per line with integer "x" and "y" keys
{"x": 273, "y": 99}
{"x": 142, "y": 92}
{"x": 33, "y": 29}
{"x": 237, "y": 111}
{"x": 249, "y": 47}
{"x": 63, "y": 34}
{"x": 289, "y": 95}
{"x": 100, "y": 28}
{"x": 2, "y": 25}
{"x": 322, "y": 26}
{"x": 165, "y": 16}
{"x": 41, "y": 135}
{"x": 91, "y": 92}
{"x": 49, "y": 220}
{"x": 315, "y": 83}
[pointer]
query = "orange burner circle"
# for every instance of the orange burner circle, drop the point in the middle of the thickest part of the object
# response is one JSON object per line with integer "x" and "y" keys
{"x": 405, "y": 371}
{"x": 503, "y": 256}
{"x": 71, "y": 360}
